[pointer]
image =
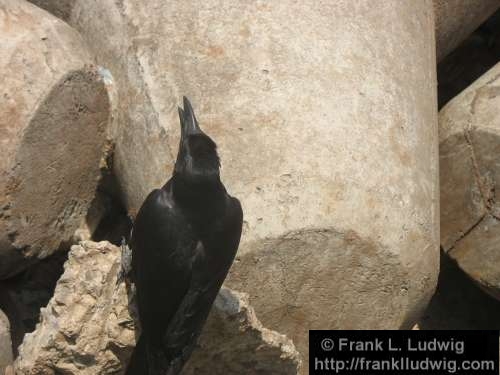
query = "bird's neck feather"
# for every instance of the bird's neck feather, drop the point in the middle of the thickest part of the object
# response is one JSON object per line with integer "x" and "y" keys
{"x": 200, "y": 196}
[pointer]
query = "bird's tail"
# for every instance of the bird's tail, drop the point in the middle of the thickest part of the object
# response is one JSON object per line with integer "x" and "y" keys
{"x": 150, "y": 360}
{"x": 138, "y": 364}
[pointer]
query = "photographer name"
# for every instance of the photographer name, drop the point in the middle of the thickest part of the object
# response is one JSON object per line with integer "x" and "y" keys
{"x": 410, "y": 345}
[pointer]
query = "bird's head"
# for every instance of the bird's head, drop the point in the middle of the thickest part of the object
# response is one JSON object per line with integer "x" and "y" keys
{"x": 197, "y": 158}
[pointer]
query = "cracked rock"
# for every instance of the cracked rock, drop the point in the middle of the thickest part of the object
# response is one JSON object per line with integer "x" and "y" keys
{"x": 54, "y": 110}
{"x": 235, "y": 342}
{"x": 87, "y": 327}
{"x": 469, "y": 135}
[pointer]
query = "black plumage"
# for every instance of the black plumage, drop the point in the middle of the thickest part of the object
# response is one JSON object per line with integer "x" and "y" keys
{"x": 184, "y": 240}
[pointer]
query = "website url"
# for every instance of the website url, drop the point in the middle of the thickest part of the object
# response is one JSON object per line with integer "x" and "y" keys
{"x": 400, "y": 364}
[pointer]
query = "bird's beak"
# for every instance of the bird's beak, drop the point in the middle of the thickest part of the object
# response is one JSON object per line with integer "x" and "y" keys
{"x": 181, "y": 120}
{"x": 189, "y": 124}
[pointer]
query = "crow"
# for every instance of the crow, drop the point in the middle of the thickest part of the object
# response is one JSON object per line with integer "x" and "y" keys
{"x": 184, "y": 240}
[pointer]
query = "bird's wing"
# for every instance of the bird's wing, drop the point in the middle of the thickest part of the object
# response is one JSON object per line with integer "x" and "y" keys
{"x": 163, "y": 247}
{"x": 210, "y": 267}
{"x": 185, "y": 328}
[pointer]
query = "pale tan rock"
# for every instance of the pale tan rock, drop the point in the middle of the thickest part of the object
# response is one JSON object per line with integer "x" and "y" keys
{"x": 469, "y": 137}
{"x": 54, "y": 109}
{"x": 87, "y": 327}
{"x": 235, "y": 342}
{"x": 327, "y": 129}
{"x": 457, "y": 19}
{"x": 6, "y": 357}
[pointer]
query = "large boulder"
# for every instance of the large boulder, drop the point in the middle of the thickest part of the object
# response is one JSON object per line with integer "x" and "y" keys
{"x": 54, "y": 109}
{"x": 469, "y": 136}
{"x": 327, "y": 129}
{"x": 88, "y": 327}
{"x": 454, "y": 19}
{"x": 457, "y": 19}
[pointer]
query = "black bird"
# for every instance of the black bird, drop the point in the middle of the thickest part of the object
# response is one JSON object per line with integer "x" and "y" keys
{"x": 184, "y": 240}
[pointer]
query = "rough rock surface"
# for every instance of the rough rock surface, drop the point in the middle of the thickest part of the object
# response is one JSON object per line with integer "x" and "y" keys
{"x": 87, "y": 327}
{"x": 235, "y": 342}
{"x": 457, "y": 19}
{"x": 5, "y": 343}
{"x": 54, "y": 109}
{"x": 326, "y": 126}
{"x": 469, "y": 127}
